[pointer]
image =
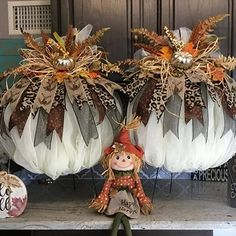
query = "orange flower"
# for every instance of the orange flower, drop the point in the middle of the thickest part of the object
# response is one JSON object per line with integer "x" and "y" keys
{"x": 189, "y": 48}
{"x": 88, "y": 75}
{"x": 60, "y": 76}
{"x": 166, "y": 52}
{"x": 217, "y": 73}
{"x": 93, "y": 75}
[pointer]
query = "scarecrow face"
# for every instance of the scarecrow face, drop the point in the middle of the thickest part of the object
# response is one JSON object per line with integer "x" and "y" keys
{"x": 122, "y": 161}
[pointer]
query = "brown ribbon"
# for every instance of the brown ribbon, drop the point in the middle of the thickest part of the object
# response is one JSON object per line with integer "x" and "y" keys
{"x": 14, "y": 94}
{"x": 45, "y": 94}
{"x": 198, "y": 126}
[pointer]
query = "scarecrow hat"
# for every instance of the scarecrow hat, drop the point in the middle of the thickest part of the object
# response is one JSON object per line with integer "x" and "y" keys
{"x": 123, "y": 142}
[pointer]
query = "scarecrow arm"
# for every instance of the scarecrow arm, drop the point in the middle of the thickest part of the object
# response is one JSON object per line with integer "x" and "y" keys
{"x": 144, "y": 201}
{"x": 101, "y": 202}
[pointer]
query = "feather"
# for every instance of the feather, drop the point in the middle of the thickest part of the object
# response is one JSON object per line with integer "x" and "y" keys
{"x": 45, "y": 37}
{"x": 153, "y": 38}
{"x": 69, "y": 42}
{"x": 95, "y": 38}
{"x": 30, "y": 42}
{"x": 147, "y": 48}
{"x": 203, "y": 27}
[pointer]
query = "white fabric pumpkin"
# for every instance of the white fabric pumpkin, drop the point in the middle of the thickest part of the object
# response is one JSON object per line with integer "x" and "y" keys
{"x": 76, "y": 86}
{"x": 183, "y": 150}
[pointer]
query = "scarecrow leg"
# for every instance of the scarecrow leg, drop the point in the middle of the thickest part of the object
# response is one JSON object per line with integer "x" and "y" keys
{"x": 126, "y": 224}
{"x": 116, "y": 224}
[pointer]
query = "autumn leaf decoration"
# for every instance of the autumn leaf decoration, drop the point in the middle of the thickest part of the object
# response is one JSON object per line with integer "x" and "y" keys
{"x": 9, "y": 181}
{"x": 152, "y": 42}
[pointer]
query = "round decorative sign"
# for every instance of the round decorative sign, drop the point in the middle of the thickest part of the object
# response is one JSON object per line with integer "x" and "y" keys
{"x": 13, "y": 195}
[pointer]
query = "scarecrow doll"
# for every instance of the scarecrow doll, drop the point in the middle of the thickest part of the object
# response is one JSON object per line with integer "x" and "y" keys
{"x": 122, "y": 194}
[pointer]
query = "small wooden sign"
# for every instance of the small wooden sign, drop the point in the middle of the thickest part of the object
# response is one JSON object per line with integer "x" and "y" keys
{"x": 13, "y": 195}
{"x": 218, "y": 174}
{"x": 232, "y": 181}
